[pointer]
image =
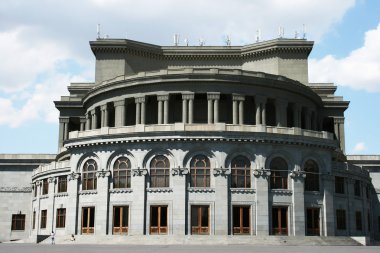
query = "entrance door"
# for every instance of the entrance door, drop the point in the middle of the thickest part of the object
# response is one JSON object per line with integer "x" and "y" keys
{"x": 312, "y": 221}
{"x": 200, "y": 224}
{"x": 120, "y": 220}
{"x": 88, "y": 220}
{"x": 241, "y": 220}
{"x": 158, "y": 220}
{"x": 280, "y": 220}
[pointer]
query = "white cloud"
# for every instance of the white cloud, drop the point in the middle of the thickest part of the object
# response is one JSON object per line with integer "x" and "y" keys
{"x": 360, "y": 147}
{"x": 359, "y": 70}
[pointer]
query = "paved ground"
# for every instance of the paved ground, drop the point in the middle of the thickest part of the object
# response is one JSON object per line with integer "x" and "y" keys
{"x": 36, "y": 248}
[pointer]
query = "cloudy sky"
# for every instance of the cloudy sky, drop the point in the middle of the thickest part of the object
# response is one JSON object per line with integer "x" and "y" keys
{"x": 44, "y": 46}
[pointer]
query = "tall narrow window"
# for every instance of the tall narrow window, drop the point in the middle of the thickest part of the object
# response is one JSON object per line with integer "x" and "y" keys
{"x": 43, "y": 218}
{"x": 279, "y": 174}
{"x": 200, "y": 224}
{"x": 18, "y": 221}
{"x": 122, "y": 173}
{"x": 358, "y": 221}
{"x": 341, "y": 219}
{"x": 61, "y": 218}
{"x": 34, "y": 219}
{"x": 312, "y": 221}
{"x": 240, "y": 172}
{"x": 88, "y": 220}
{"x": 339, "y": 185}
{"x": 62, "y": 184}
{"x": 357, "y": 189}
{"x": 45, "y": 186}
{"x": 89, "y": 175}
{"x": 120, "y": 220}
{"x": 312, "y": 176}
{"x": 279, "y": 221}
{"x": 241, "y": 220}
{"x": 159, "y": 171}
{"x": 200, "y": 171}
{"x": 158, "y": 220}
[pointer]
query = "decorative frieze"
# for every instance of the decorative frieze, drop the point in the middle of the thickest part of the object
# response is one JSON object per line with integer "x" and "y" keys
{"x": 286, "y": 192}
{"x": 200, "y": 190}
{"x": 88, "y": 192}
{"x": 159, "y": 189}
{"x": 242, "y": 190}
{"x": 61, "y": 194}
{"x": 120, "y": 190}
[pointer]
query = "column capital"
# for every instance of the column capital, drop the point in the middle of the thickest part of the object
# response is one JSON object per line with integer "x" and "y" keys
{"x": 238, "y": 97}
{"x": 64, "y": 119}
{"x": 140, "y": 99}
{"x": 93, "y": 112}
{"x": 338, "y": 119}
{"x": 189, "y": 95}
{"x": 163, "y": 97}
{"x": 119, "y": 103}
{"x": 82, "y": 119}
{"x": 213, "y": 95}
{"x": 103, "y": 107}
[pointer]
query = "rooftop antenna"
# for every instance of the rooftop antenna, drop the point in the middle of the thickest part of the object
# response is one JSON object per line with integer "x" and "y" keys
{"x": 304, "y": 31}
{"x": 98, "y": 31}
{"x": 281, "y": 32}
{"x": 202, "y": 42}
{"x": 296, "y": 34}
{"x": 228, "y": 40}
{"x": 176, "y": 39}
{"x": 258, "y": 35}
{"x": 186, "y": 42}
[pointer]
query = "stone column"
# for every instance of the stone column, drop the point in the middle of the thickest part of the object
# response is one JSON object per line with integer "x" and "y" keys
{"x": 63, "y": 130}
{"x": 258, "y": 112}
{"x": 328, "y": 204}
{"x": 238, "y": 109}
{"x": 191, "y": 110}
{"x": 104, "y": 115}
{"x": 298, "y": 177}
{"x": 88, "y": 121}
{"x": 140, "y": 110}
{"x": 159, "y": 115}
{"x": 209, "y": 110}
{"x": 166, "y": 110}
{"x": 188, "y": 108}
{"x": 179, "y": 200}
{"x": 262, "y": 197}
{"x": 281, "y": 112}
{"x": 241, "y": 112}
{"x": 339, "y": 131}
{"x": 163, "y": 110}
{"x": 263, "y": 113}
{"x": 102, "y": 202}
{"x": 72, "y": 198}
{"x": 143, "y": 110}
{"x": 94, "y": 119}
{"x": 234, "y": 112}
{"x": 82, "y": 121}
{"x": 221, "y": 201}
{"x": 119, "y": 113}
{"x": 216, "y": 108}
{"x": 137, "y": 210}
{"x": 184, "y": 109}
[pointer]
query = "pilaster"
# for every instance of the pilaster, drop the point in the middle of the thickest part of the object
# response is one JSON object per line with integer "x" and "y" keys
{"x": 298, "y": 179}
{"x": 179, "y": 200}
{"x": 137, "y": 224}
{"x": 72, "y": 209}
{"x": 102, "y": 202}
{"x": 221, "y": 200}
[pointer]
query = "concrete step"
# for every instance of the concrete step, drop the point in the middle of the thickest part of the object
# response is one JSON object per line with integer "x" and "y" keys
{"x": 204, "y": 240}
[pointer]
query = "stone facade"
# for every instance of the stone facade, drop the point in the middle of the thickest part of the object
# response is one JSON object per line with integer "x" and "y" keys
{"x": 201, "y": 141}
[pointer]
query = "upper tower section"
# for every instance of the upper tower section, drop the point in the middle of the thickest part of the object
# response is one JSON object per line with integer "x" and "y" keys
{"x": 122, "y": 57}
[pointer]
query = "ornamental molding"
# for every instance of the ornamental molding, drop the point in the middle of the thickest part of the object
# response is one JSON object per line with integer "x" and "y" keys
{"x": 238, "y": 97}
{"x": 163, "y": 97}
{"x": 103, "y": 173}
{"x": 188, "y": 96}
{"x": 159, "y": 189}
{"x": 213, "y": 96}
{"x": 261, "y": 173}
{"x": 281, "y": 192}
{"x": 200, "y": 190}
{"x": 140, "y": 100}
{"x": 221, "y": 172}
{"x": 242, "y": 190}
{"x": 15, "y": 189}
{"x": 180, "y": 171}
{"x": 73, "y": 176}
{"x": 120, "y": 190}
{"x": 44, "y": 196}
{"x": 88, "y": 192}
{"x": 297, "y": 175}
{"x": 139, "y": 172}
{"x": 52, "y": 180}
{"x": 61, "y": 194}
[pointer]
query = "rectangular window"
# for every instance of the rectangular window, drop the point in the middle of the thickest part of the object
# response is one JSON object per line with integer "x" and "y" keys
{"x": 159, "y": 177}
{"x": 45, "y": 187}
{"x": 358, "y": 219}
{"x": 279, "y": 221}
{"x": 339, "y": 185}
{"x": 34, "y": 219}
{"x": 200, "y": 224}
{"x": 88, "y": 220}
{"x": 158, "y": 220}
{"x": 43, "y": 218}
{"x": 18, "y": 221}
{"x": 312, "y": 221}
{"x": 357, "y": 189}
{"x": 120, "y": 220}
{"x": 341, "y": 219}
{"x": 62, "y": 184}
{"x": 61, "y": 218}
{"x": 241, "y": 220}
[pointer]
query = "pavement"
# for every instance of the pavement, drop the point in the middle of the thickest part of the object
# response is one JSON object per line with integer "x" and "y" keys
{"x": 96, "y": 248}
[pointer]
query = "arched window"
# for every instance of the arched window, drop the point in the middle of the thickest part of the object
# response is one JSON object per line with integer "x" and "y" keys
{"x": 200, "y": 171}
{"x": 122, "y": 173}
{"x": 312, "y": 176}
{"x": 159, "y": 171}
{"x": 89, "y": 175}
{"x": 240, "y": 172}
{"x": 279, "y": 174}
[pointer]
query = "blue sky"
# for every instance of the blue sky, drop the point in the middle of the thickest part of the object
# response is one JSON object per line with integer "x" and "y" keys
{"x": 44, "y": 47}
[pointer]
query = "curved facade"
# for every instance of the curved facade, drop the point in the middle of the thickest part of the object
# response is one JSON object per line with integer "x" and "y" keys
{"x": 201, "y": 141}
